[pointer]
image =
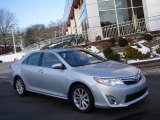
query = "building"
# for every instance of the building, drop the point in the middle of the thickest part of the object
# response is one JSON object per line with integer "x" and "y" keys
{"x": 109, "y": 18}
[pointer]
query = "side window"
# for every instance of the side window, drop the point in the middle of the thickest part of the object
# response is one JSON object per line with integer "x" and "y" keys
{"x": 49, "y": 60}
{"x": 34, "y": 59}
{"x": 25, "y": 61}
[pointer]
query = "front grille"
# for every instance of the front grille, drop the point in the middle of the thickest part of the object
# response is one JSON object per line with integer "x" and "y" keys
{"x": 131, "y": 80}
{"x": 135, "y": 95}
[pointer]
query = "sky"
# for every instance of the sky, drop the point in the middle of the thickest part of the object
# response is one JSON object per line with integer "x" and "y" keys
{"x": 30, "y": 12}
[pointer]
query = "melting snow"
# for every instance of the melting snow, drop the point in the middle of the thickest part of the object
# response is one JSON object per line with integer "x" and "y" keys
{"x": 11, "y": 57}
{"x": 93, "y": 49}
{"x": 143, "y": 49}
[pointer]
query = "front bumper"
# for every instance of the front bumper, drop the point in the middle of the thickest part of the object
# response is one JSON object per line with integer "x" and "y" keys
{"x": 124, "y": 94}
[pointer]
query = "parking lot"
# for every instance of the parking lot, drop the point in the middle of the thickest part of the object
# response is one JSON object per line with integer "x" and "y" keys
{"x": 40, "y": 107}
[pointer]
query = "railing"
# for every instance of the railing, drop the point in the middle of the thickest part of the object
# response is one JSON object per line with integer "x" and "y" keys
{"x": 131, "y": 27}
{"x": 122, "y": 29}
{"x": 65, "y": 40}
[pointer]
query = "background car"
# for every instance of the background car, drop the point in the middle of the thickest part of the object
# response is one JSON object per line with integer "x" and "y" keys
{"x": 84, "y": 78}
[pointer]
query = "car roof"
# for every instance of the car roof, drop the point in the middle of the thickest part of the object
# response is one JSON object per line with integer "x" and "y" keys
{"x": 61, "y": 50}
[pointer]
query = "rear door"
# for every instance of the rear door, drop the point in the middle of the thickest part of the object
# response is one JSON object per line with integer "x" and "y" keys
{"x": 31, "y": 71}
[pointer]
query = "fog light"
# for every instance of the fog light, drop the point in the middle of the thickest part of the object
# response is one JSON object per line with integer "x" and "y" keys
{"x": 112, "y": 100}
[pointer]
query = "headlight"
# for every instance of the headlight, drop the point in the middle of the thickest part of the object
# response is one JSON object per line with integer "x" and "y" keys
{"x": 138, "y": 76}
{"x": 108, "y": 81}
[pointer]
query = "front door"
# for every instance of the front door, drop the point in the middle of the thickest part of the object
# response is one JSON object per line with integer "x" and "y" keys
{"x": 53, "y": 81}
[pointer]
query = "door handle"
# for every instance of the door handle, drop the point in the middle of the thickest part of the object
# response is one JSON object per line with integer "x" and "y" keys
{"x": 21, "y": 68}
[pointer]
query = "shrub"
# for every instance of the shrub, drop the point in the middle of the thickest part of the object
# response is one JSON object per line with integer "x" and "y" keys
{"x": 148, "y": 37}
{"x": 109, "y": 54}
{"x": 98, "y": 38}
{"x": 122, "y": 42}
{"x": 113, "y": 41}
{"x": 133, "y": 53}
{"x": 107, "y": 51}
{"x": 158, "y": 51}
{"x": 113, "y": 56}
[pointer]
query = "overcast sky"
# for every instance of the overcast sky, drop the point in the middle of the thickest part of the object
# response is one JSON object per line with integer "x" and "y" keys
{"x": 29, "y": 12}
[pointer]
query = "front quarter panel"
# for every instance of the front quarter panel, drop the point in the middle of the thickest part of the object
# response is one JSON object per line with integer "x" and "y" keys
{"x": 73, "y": 77}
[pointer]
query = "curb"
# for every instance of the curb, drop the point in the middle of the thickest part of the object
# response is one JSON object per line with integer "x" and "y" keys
{"x": 152, "y": 72}
{"x": 3, "y": 79}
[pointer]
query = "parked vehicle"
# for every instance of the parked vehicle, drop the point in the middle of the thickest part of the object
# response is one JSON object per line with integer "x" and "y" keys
{"x": 84, "y": 78}
{"x": 9, "y": 49}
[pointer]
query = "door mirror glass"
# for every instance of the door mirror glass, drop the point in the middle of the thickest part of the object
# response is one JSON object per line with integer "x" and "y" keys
{"x": 58, "y": 66}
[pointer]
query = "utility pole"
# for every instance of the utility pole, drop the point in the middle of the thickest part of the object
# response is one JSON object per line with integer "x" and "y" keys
{"x": 55, "y": 34}
{"x": 14, "y": 45}
{"x": 21, "y": 42}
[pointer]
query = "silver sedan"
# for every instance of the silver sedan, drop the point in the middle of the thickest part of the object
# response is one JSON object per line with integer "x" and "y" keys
{"x": 87, "y": 80}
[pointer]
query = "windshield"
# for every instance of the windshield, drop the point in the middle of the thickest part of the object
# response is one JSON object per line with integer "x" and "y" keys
{"x": 77, "y": 58}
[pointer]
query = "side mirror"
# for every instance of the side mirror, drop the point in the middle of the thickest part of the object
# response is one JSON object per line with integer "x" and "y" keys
{"x": 58, "y": 66}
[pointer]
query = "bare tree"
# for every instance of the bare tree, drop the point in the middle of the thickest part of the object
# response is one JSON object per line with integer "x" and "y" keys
{"x": 56, "y": 27}
{"x": 40, "y": 32}
{"x": 34, "y": 34}
{"x": 59, "y": 23}
{"x": 7, "y": 20}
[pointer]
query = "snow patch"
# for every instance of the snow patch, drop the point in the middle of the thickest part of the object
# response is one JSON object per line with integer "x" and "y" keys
{"x": 143, "y": 49}
{"x": 11, "y": 57}
{"x": 94, "y": 50}
{"x": 141, "y": 42}
{"x": 121, "y": 54}
{"x": 154, "y": 48}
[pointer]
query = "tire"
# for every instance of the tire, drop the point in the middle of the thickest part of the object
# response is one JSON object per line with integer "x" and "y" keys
{"x": 20, "y": 87}
{"x": 82, "y": 98}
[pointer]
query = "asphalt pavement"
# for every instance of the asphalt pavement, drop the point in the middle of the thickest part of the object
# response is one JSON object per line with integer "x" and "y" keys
{"x": 4, "y": 69}
{"x": 40, "y": 107}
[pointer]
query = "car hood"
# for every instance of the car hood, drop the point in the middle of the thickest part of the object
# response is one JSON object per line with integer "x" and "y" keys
{"x": 108, "y": 69}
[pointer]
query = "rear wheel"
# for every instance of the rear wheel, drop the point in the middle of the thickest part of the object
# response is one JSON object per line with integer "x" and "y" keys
{"x": 20, "y": 87}
{"x": 82, "y": 98}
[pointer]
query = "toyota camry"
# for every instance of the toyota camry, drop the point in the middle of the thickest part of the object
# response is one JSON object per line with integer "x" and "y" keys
{"x": 77, "y": 75}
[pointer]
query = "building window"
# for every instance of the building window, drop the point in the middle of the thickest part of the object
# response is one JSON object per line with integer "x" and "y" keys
{"x": 84, "y": 25}
{"x": 123, "y": 3}
{"x": 124, "y": 15}
{"x": 138, "y": 13}
{"x": 106, "y": 5}
{"x": 137, "y": 3}
{"x": 84, "y": 18}
{"x": 107, "y": 18}
{"x": 118, "y": 11}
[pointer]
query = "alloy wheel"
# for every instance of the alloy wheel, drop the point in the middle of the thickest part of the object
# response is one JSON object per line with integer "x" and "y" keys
{"x": 20, "y": 88}
{"x": 81, "y": 98}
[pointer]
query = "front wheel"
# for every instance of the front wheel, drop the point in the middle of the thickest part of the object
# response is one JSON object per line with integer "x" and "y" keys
{"x": 82, "y": 98}
{"x": 20, "y": 87}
